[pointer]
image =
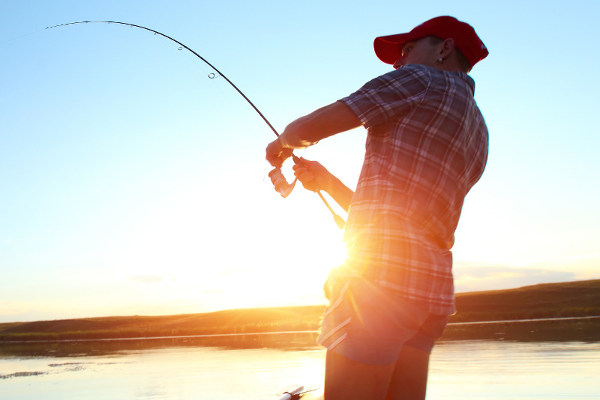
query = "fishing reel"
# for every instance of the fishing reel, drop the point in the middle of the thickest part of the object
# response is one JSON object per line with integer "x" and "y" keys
{"x": 282, "y": 186}
{"x": 280, "y": 183}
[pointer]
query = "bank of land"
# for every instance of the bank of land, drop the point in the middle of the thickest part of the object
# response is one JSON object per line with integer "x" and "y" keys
{"x": 472, "y": 321}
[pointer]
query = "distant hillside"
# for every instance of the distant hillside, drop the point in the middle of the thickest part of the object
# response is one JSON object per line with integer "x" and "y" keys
{"x": 569, "y": 299}
{"x": 221, "y": 322}
{"x": 548, "y": 300}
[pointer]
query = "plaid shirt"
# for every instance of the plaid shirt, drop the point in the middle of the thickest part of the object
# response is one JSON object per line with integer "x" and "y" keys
{"x": 426, "y": 147}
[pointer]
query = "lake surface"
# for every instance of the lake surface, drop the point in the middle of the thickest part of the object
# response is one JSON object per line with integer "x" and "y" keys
{"x": 256, "y": 369}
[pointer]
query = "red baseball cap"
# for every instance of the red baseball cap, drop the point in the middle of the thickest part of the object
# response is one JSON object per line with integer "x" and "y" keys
{"x": 389, "y": 48}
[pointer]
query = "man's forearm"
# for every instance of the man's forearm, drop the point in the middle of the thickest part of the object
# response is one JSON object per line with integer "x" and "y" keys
{"x": 319, "y": 124}
{"x": 341, "y": 193}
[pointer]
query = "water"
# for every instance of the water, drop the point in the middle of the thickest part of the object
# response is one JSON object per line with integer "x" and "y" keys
{"x": 513, "y": 370}
{"x": 191, "y": 369}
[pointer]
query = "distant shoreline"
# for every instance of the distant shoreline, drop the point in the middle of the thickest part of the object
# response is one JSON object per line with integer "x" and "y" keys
{"x": 525, "y": 320}
{"x": 557, "y": 311}
{"x": 315, "y": 332}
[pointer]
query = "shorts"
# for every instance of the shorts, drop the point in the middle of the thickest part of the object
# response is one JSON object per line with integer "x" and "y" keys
{"x": 371, "y": 325}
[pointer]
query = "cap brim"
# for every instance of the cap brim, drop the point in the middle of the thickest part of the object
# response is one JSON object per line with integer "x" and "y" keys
{"x": 389, "y": 48}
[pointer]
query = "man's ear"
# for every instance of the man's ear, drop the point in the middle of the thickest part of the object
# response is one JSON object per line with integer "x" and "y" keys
{"x": 447, "y": 47}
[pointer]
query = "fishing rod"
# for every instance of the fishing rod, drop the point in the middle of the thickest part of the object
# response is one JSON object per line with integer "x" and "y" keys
{"x": 279, "y": 181}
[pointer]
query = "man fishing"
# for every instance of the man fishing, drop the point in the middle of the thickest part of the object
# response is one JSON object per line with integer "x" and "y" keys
{"x": 426, "y": 147}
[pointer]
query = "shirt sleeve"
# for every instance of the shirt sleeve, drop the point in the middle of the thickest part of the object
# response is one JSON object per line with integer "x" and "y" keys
{"x": 390, "y": 96}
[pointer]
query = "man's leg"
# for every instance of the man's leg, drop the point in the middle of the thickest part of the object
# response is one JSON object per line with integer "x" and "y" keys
{"x": 409, "y": 379}
{"x": 346, "y": 379}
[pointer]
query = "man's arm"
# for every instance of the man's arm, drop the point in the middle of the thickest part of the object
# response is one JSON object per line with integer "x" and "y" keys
{"x": 308, "y": 130}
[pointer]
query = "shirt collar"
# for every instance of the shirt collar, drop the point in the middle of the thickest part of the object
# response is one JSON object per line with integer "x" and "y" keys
{"x": 468, "y": 80}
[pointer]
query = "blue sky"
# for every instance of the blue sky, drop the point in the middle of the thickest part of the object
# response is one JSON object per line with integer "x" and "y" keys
{"x": 131, "y": 183}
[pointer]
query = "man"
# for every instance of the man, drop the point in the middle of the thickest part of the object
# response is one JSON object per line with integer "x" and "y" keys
{"x": 426, "y": 147}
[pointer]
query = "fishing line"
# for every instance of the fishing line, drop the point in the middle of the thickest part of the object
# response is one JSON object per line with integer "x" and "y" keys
{"x": 277, "y": 177}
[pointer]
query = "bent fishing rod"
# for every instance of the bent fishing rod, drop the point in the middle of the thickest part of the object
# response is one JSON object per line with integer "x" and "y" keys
{"x": 281, "y": 185}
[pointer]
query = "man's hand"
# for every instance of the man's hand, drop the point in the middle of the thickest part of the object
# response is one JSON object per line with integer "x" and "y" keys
{"x": 316, "y": 177}
{"x": 277, "y": 153}
{"x": 313, "y": 175}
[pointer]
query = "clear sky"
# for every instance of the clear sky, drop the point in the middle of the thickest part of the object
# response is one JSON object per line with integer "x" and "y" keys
{"x": 131, "y": 183}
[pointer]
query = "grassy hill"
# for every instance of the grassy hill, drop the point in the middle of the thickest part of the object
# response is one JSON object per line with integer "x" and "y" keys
{"x": 570, "y": 299}
{"x": 548, "y": 300}
{"x": 221, "y": 322}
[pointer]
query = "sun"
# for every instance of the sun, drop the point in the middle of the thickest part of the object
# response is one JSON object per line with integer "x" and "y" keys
{"x": 235, "y": 247}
